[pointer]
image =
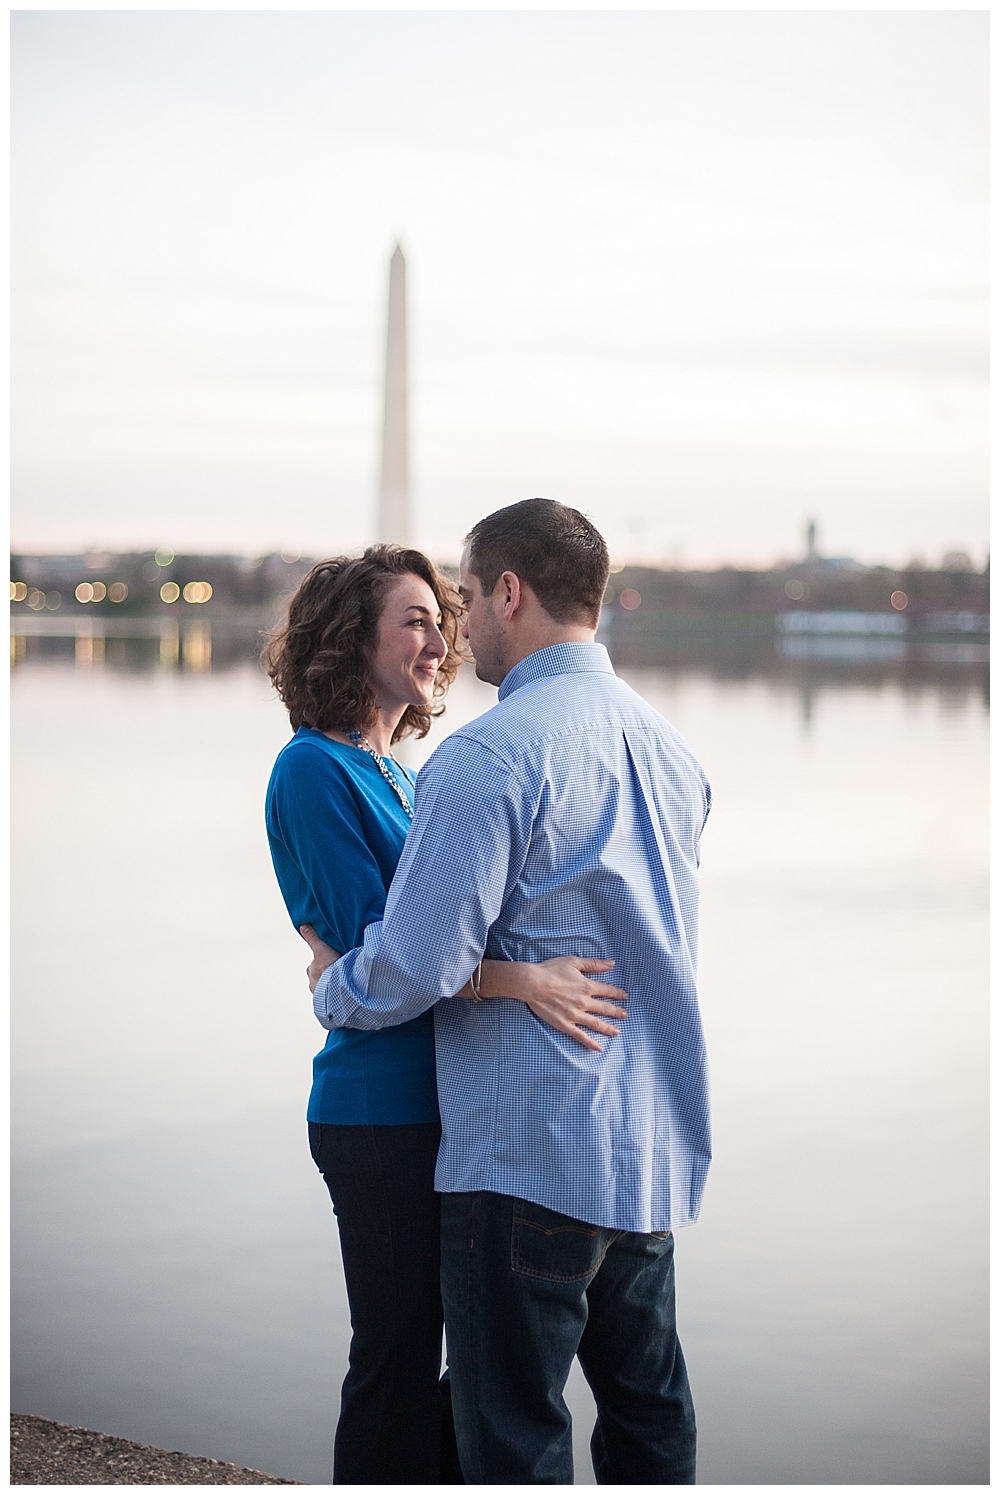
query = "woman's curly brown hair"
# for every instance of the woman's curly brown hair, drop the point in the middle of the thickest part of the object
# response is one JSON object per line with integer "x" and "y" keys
{"x": 319, "y": 658}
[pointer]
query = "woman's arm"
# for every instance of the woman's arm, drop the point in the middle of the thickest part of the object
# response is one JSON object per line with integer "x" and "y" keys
{"x": 559, "y": 992}
{"x": 316, "y": 831}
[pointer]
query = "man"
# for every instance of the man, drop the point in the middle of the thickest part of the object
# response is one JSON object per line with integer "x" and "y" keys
{"x": 566, "y": 820}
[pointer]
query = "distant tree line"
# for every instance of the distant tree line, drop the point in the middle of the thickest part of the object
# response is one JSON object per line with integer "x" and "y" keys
{"x": 816, "y": 586}
{"x": 153, "y": 582}
{"x": 160, "y": 582}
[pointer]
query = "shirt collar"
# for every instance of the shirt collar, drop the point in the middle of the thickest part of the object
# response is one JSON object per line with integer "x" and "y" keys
{"x": 557, "y": 659}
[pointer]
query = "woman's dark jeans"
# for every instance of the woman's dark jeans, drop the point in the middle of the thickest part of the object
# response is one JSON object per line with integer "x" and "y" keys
{"x": 395, "y": 1423}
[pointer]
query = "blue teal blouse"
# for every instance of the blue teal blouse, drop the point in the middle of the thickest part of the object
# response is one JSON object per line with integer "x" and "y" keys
{"x": 336, "y": 830}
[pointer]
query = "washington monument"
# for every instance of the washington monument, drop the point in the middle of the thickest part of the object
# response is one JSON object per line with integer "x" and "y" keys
{"x": 394, "y": 488}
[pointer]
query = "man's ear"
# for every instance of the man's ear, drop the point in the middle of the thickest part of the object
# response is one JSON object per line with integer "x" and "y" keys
{"x": 512, "y": 594}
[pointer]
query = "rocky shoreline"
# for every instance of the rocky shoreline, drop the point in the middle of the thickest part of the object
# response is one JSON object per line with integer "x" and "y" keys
{"x": 51, "y": 1453}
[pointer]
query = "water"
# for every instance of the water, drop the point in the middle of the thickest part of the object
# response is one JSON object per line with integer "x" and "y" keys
{"x": 176, "y": 1273}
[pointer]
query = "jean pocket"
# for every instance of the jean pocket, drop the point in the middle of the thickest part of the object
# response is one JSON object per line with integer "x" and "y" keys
{"x": 555, "y": 1247}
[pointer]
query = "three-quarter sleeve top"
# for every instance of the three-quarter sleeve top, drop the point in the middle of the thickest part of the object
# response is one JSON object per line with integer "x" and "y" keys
{"x": 336, "y": 830}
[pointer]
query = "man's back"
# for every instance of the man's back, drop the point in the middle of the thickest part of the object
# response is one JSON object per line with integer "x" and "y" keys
{"x": 583, "y": 810}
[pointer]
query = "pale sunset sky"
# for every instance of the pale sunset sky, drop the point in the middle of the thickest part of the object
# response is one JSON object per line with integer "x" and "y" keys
{"x": 703, "y": 274}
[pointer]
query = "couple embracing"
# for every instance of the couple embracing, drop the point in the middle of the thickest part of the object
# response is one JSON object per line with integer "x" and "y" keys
{"x": 509, "y": 1140}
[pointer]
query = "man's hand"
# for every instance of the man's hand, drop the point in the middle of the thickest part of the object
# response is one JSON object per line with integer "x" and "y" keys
{"x": 323, "y": 955}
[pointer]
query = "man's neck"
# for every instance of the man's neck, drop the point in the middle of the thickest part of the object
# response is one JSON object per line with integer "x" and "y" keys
{"x": 544, "y": 638}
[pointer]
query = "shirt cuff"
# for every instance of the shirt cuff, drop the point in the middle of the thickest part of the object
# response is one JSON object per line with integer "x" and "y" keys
{"x": 319, "y": 997}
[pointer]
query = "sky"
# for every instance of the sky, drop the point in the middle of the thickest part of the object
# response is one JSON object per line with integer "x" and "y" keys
{"x": 703, "y": 275}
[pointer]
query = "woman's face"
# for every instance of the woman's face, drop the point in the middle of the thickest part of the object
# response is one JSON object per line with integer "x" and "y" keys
{"x": 409, "y": 646}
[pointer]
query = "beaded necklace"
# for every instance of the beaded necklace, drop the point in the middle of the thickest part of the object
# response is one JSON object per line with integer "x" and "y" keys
{"x": 361, "y": 741}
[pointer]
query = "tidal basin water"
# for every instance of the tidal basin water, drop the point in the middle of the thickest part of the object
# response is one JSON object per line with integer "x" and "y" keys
{"x": 177, "y": 1277}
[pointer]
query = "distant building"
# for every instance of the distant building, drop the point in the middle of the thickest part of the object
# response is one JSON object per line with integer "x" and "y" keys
{"x": 816, "y": 562}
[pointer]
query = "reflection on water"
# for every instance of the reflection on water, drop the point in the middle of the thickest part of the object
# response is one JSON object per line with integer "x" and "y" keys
{"x": 134, "y": 646}
{"x": 176, "y": 1272}
{"x": 138, "y": 645}
{"x": 883, "y": 650}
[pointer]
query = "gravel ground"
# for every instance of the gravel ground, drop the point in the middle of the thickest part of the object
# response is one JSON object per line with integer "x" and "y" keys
{"x": 50, "y": 1453}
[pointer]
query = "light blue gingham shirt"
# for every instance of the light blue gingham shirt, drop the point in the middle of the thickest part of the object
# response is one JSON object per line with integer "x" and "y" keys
{"x": 564, "y": 821}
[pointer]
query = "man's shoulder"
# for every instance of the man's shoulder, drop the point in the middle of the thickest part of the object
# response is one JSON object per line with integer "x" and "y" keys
{"x": 472, "y": 744}
{"x": 542, "y": 711}
{"x": 583, "y": 727}
{"x": 549, "y": 718}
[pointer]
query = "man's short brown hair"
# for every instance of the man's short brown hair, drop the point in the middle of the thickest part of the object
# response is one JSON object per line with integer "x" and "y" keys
{"x": 555, "y": 549}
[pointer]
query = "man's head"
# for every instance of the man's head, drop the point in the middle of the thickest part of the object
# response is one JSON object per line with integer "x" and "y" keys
{"x": 532, "y": 574}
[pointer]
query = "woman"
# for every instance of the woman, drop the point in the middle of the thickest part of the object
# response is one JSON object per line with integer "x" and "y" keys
{"x": 369, "y": 649}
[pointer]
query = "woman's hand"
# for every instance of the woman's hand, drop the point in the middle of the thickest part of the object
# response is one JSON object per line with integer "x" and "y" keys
{"x": 561, "y": 993}
{"x": 323, "y": 955}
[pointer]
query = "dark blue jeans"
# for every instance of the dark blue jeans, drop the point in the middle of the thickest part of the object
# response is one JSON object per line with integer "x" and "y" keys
{"x": 525, "y": 1289}
{"x": 395, "y": 1423}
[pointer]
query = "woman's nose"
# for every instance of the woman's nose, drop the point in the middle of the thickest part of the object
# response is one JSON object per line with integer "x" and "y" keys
{"x": 436, "y": 645}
